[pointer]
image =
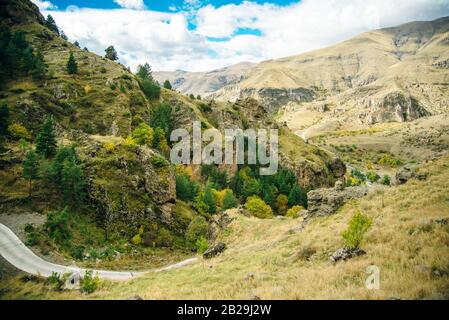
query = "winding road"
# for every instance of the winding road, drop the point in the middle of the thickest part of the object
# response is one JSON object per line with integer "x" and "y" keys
{"x": 21, "y": 257}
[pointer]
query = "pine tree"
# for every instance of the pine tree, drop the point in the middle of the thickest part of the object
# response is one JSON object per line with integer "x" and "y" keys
{"x": 72, "y": 182}
{"x": 229, "y": 201}
{"x": 39, "y": 67}
{"x": 4, "y": 118}
{"x": 167, "y": 85}
{"x": 111, "y": 54}
{"x": 209, "y": 200}
{"x": 46, "y": 140}
{"x": 50, "y": 23}
{"x": 144, "y": 72}
{"x": 63, "y": 36}
{"x": 30, "y": 167}
{"x": 297, "y": 197}
{"x": 72, "y": 66}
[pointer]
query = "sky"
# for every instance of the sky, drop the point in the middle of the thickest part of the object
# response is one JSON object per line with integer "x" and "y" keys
{"x": 203, "y": 35}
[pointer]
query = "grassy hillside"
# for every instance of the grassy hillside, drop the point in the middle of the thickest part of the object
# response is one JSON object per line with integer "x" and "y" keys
{"x": 274, "y": 259}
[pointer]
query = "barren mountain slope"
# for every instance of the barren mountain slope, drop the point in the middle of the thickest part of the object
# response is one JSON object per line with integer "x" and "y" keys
{"x": 204, "y": 82}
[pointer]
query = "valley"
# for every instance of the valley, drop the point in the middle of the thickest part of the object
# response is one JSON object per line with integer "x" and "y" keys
{"x": 88, "y": 185}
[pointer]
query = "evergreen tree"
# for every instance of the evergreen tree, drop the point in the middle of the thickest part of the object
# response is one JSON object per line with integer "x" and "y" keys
{"x": 295, "y": 197}
{"x": 111, "y": 54}
{"x": 209, "y": 200}
{"x": 229, "y": 201}
{"x": 72, "y": 182}
{"x": 30, "y": 167}
{"x": 76, "y": 43}
{"x": 150, "y": 88}
{"x": 4, "y": 118}
{"x": 50, "y": 23}
{"x": 191, "y": 96}
{"x": 39, "y": 67}
{"x": 161, "y": 117}
{"x": 144, "y": 72}
{"x": 63, "y": 36}
{"x": 167, "y": 85}
{"x": 46, "y": 140}
{"x": 72, "y": 66}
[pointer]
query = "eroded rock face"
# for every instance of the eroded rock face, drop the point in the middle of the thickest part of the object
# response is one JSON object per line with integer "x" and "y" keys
{"x": 324, "y": 202}
{"x": 394, "y": 107}
{"x": 126, "y": 187}
{"x": 273, "y": 98}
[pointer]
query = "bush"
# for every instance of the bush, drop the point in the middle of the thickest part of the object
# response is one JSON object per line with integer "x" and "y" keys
{"x": 143, "y": 134}
{"x": 136, "y": 240}
{"x": 386, "y": 181}
{"x": 197, "y": 228}
{"x": 158, "y": 161}
{"x": 201, "y": 245}
{"x": 358, "y": 226}
{"x": 282, "y": 204}
{"x": 17, "y": 132}
{"x": 372, "y": 176}
{"x": 258, "y": 208}
{"x": 89, "y": 283}
{"x": 56, "y": 281}
{"x": 164, "y": 238}
{"x": 294, "y": 212}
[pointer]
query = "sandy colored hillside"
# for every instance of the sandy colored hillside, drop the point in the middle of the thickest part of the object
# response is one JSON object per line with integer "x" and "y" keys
{"x": 204, "y": 82}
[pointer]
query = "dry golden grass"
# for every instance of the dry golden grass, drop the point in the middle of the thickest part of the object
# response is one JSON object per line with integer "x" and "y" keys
{"x": 266, "y": 258}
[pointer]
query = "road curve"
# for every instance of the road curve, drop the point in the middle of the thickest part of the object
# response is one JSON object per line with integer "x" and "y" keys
{"x": 21, "y": 257}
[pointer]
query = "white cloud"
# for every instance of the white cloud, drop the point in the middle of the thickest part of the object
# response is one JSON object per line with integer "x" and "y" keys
{"x": 131, "y": 4}
{"x": 167, "y": 43}
{"x": 44, "y": 5}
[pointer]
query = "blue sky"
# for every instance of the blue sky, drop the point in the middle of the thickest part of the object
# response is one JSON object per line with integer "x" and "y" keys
{"x": 202, "y": 35}
{"x": 155, "y": 4}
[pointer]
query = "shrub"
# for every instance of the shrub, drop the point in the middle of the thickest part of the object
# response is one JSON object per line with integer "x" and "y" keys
{"x": 129, "y": 142}
{"x": 158, "y": 161}
{"x": 164, "y": 238}
{"x": 197, "y": 228}
{"x": 386, "y": 181}
{"x": 358, "y": 226}
{"x": 201, "y": 245}
{"x": 89, "y": 283}
{"x": 137, "y": 239}
{"x": 258, "y": 208}
{"x": 17, "y": 132}
{"x": 282, "y": 204}
{"x": 294, "y": 212}
{"x": 372, "y": 176}
{"x": 143, "y": 134}
{"x": 56, "y": 281}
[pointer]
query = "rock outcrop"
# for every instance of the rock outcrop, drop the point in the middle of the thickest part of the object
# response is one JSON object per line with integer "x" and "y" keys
{"x": 346, "y": 253}
{"x": 407, "y": 173}
{"x": 324, "y": 202}
{"x": 214, "y": 250}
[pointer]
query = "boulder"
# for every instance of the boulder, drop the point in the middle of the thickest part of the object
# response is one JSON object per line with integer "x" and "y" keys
{"x": 346, "y": 253}
{"x": 409, "y": 172}
{"x": 324, "y": 202}
{"x": 218, "y": 223}
{"x": 214, "y": 250}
